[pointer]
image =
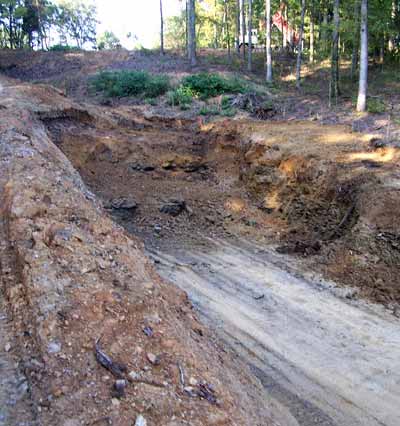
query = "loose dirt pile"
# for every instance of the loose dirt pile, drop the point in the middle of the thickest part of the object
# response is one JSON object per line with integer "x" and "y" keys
{"x": 99, "y": 336}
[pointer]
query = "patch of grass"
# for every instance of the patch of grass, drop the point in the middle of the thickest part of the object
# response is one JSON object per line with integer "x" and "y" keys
{"x": 224, "y": 109}
{"x": 121, "y": 84}
{"x": 151, "y": 101}
{"x": 208, "y": 85}
{"x": 225, "y": 102}
{"x": 209, "y": 110}
{"x": 229, "y": 112}
{"x": 182, "y": 96}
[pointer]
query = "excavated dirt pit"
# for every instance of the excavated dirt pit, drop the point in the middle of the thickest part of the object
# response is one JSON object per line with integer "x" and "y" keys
{"x": 211, "y": 202}
{"x": 322, "y": 193}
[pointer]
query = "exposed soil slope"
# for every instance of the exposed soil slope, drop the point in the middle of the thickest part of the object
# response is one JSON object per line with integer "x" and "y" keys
{"x": 71, "y": 276}
{"x": 323, "y": 193}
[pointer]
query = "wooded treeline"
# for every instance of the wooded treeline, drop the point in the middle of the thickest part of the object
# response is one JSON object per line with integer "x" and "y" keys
{"x": 219, "y": 25}
{"x": 360, "y": 30}
{"x": 29, "y": 23}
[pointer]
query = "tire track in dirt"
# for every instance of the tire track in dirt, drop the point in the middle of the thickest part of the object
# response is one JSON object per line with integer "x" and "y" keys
{"x": 324, "y": 360}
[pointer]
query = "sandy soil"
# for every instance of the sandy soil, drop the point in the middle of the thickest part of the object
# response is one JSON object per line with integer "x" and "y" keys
{"x": 324, "y": 360}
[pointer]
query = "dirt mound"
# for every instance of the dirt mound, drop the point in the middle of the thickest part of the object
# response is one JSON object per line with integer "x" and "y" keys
{"x": 76, "y": 279}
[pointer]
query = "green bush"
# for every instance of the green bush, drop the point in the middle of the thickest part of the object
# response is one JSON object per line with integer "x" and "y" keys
{"x": 121, "y": 84}
{"x": 63, "y": 48}
{"x": 208, "y": 85}
{"x": 375, "y": 105}
{"x": 181, "y": 96}
{"x": 209, "y": 110}
{"x": 215, "y": 110}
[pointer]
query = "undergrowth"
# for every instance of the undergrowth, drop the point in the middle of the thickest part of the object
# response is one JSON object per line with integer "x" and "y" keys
{"x": 121, "y": 84}
{"x": 182, "y": 96}
{"x": 209, "y": 85}
{"x": 63, "y": 48}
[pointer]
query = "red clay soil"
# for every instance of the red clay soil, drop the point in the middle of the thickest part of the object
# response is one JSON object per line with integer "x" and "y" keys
{"x": 323, "y": 193}
{"x": 72, "y": 277}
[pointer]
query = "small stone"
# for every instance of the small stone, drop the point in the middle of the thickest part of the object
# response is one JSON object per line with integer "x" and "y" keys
{"x": 168, "y": 165}
{"x": 123, "y": 203}
{"x": 133, "y": 375}
{"x": 153, "y": 359}
{"x": 54, "y": 347}
{"x": 7, "y": 347}
{"x": 140, "y": 421}
{"x": 148, "y": 331}
{"x": 193, "y": 381}
{"x": 141, "y": 167}
{"x": 173, "y": 207}
{"x": 115, "y": 402}
{"x": 189, "y": 390}
{"x": 119, "y": 388}
{"x": 210, "y": 219}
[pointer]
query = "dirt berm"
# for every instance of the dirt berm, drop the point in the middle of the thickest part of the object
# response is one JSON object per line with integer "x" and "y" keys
{"x": 70, "y": 277}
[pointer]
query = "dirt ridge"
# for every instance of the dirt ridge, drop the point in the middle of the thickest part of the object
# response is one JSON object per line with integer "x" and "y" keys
{"x": 78, "y": 276}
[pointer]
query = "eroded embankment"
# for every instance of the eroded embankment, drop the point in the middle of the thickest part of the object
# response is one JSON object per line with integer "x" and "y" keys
{"x": 321, "y": 192}
{"x": 71, "y": 276}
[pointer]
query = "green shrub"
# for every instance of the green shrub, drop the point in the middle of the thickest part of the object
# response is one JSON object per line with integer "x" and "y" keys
{"x": 130, "y": 83}
{"x": 63, "y": 48}
{"x": 151, "y": 101}
{"x": 181, "y": 96}
{"x": 229, "y": 112}
{"x": 208, "y": 85}
{"x": 209, "y": 110}
{"x": 215, "y": 110}
{"x": 376, "y": 105}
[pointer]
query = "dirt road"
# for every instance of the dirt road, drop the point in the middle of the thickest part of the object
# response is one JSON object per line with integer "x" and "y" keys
{"x": 324, "y": 360}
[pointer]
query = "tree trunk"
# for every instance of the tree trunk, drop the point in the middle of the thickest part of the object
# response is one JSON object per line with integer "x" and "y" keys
{"x": 363, "y": 84}
{"x": 288, "y": 38}
{"x": 161, "y": 29}
{"x": 192, "y": 32}
{"x": 284, "y": 41}
{"x": 325, "y": 31}
{"x": 268, "y": 41}
{"x": 312, "y": 33}
{"x": 334, "y": 83}
{"x": 237, "y": 41}
{"x": 227, "y": 32}
{"x": 382, "y": 50}
{"x": 354, "y": 55}
{"x": 243, "y": 16}
{"x": 187, "y": 27}
{"x": 249, "y": 31}
{"x": 300, "y": 45}
{"x": 11, "y": 28}
{"x": 215, "y": 26}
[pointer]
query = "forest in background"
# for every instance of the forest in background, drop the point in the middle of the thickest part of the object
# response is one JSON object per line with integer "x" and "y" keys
{"x": 359, "y": 31}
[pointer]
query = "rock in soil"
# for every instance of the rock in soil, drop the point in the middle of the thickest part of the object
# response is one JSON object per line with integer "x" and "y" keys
{"x": 124, "y": 203}
{"x": 173, "y": 207}
{"x": 140, "y": 421}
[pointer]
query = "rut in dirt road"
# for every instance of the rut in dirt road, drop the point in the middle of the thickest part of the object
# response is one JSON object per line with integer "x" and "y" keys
{"x": 324, "y": 360}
